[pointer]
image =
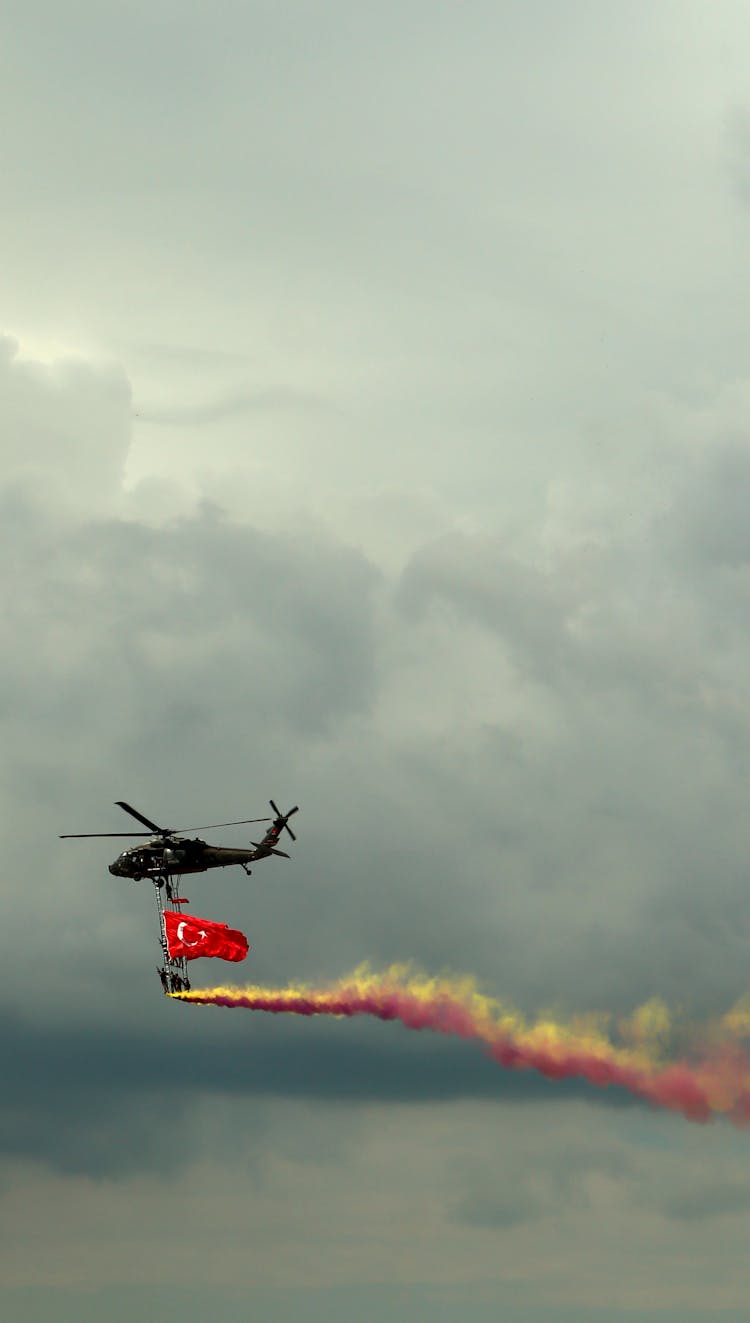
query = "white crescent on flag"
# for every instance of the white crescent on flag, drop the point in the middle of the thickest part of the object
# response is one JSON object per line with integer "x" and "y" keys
{"x": 181, "y": 934}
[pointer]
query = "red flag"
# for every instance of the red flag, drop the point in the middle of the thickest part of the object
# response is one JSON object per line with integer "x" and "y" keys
{"x": 193, "y": 937}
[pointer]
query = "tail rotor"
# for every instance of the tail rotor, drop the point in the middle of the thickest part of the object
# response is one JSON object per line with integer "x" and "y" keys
{"x": 282, "y": 819}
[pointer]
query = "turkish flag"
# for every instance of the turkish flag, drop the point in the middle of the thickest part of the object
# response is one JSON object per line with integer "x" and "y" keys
{"x": 195, "y": 937}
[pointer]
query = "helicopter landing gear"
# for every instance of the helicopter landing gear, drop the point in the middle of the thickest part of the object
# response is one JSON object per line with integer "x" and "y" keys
{"x": 247, "y": 870}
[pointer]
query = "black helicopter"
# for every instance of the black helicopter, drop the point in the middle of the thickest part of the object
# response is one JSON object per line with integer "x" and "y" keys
{"x": 167, "y": 853}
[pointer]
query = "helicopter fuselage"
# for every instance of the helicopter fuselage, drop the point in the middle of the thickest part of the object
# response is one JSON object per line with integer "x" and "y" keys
{"x": 159, "y": 858}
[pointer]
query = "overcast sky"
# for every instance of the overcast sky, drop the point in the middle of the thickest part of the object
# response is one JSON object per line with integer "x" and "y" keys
{"x": 374, "y": 401}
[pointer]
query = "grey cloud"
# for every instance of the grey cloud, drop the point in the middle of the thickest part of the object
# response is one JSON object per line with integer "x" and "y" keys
{"x": 641, "y": 693}
{"x": 593, "y": 621}
{"x": 294, "y": 616}
{"x": 479, "y": 578}
{"x": 194, "y": 355}
{"x": 110, "y": 1102}
{"x": 232, "y": 406}
{"x": 708, "y": 521}
{"x": 419, "y": 1303}
{"x": 65, "y": 428}
{"x": 700, "y": 1201}
{"x": 502, "y": 1208}
{"x": 538, "y": 1179}
{"x": 737, "y": 144}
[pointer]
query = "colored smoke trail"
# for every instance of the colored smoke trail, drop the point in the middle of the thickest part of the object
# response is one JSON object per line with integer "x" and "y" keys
{"x": 712, "y": 1078}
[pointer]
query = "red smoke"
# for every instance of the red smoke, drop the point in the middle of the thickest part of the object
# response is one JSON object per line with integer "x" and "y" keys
{"x": 716, "y": 1082}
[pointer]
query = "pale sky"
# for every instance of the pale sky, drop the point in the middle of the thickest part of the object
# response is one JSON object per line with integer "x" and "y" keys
{"x": 373, "y": 398}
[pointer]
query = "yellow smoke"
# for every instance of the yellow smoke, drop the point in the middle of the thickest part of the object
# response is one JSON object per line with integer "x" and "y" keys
{"x": 643, "y": 1037}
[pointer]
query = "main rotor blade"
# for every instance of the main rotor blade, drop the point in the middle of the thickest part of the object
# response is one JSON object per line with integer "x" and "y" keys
{"x": 211, "y": 825}
{"x": 160, "y": 831}
{"x": 91, "y": 835}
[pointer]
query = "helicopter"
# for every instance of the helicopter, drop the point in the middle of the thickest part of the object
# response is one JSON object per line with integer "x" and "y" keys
{"x": 167, "y": 853}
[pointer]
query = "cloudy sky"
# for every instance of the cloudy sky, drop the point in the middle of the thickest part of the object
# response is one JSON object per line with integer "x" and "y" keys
{"x": 374, "y": 401}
